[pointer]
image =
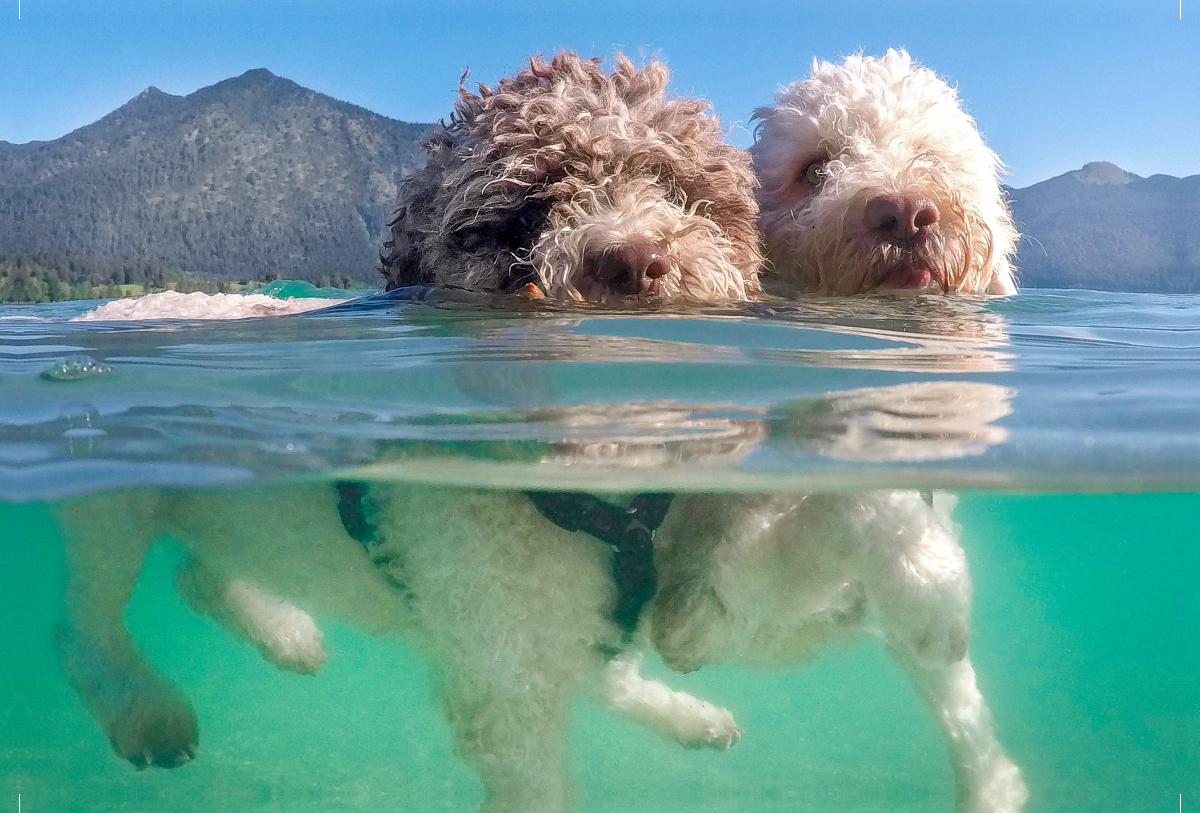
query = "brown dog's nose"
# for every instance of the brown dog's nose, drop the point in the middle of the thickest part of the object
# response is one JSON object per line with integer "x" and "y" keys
{"x": 900, "y": 219}
{"x": 628, "y": 269}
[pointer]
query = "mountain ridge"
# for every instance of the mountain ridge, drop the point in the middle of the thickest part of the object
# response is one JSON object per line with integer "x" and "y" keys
{"x": 1103, "y": 228}
{"x": 254, "y": 176}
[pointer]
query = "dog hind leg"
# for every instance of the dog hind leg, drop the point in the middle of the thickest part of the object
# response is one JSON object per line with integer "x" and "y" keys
{"x": 515, "y": 741}
{"x": 988, "y": 781}
{"x": 922, "y": 589}
{"x": 147, "y": 720}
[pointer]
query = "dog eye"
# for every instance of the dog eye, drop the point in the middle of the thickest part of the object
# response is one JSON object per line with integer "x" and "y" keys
{"x": 510, "y": 230}
{"x": 814, "y": 173}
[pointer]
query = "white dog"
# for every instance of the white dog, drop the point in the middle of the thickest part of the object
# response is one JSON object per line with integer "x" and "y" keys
{"x": 873, "y": 177}
{"x": 771, "y": 579}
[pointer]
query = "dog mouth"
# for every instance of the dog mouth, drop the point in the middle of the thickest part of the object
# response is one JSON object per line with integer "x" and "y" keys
{"x": 926, "y": 264}
{"x": 905, "y": 277}
{"x": 909, "y": 243}
{"x": 601, "y": 295}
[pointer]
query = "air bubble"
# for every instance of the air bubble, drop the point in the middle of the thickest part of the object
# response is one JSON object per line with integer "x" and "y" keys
{"x": 76, "y": 368}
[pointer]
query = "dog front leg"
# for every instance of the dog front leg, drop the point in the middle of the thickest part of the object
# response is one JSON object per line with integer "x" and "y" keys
{"x": 678, "y": 716}
{"x": 147, "y": 720}
{"x": 987, "y": 780}
{"x": 717, "y": 560}
{"x": 286, "y": 635}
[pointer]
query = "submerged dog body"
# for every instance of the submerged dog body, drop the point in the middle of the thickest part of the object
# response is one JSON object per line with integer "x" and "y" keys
{"x": 771, "y": 579}
{"x": 515, "y": 613}
{"x": 594, "y": 186}
{"x": 873, "y": 177}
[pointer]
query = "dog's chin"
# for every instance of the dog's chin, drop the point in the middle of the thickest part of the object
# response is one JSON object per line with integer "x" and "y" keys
{"x": 899, "y": 278}
{"x": 610, "y": 297}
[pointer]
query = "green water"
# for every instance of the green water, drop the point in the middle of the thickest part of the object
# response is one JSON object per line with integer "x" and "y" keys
{"x": 1085, "y": 639}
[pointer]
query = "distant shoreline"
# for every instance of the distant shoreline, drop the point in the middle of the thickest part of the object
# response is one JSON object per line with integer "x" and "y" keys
{"x": 60, "y": 278}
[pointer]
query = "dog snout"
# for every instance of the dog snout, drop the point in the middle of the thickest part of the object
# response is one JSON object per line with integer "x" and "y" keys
{"x": 900, "y": 220}
{"x": 629, "y": 269}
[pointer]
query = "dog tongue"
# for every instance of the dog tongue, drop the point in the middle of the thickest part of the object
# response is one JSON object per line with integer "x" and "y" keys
{"x": 906, "y": 278}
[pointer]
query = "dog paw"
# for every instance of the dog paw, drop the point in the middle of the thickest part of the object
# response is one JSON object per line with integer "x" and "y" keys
{"x": 156, "y": 728}
{"x": 710, "y": 727}
{"x": 293, "y": 641}
{"x": 146, "y": 719}
{"x": 286, "y": 635}
{"x": 1000, "y": 789}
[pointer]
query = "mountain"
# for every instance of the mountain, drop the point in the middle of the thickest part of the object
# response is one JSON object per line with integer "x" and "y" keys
{"x": 1103, "y": 228}
{"x": 251, "y": 177}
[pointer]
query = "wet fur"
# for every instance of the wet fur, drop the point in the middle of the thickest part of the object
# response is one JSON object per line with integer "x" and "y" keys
{"x": 883, "y": 125}
{"x": 515, "y": 613}
{"x": 564, "y": 159}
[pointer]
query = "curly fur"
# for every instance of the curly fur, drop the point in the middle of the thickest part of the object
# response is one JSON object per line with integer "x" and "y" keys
{"x": 538, "y": 178}
{"x": 879, "y": 128}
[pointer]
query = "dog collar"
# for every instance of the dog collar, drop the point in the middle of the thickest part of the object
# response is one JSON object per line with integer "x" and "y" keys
{"x": 628, "y": 531}
{"x": 357, "y": 512}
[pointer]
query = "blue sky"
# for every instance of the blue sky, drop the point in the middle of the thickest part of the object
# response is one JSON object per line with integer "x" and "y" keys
{"x": 1052, "y": 84}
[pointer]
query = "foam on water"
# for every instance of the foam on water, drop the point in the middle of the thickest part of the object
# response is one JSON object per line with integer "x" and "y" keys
{"x": 174, "y": 305}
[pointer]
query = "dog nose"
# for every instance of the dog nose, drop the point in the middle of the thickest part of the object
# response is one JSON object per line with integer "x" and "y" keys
{"x": 629, "y": 269}
{"x": 900, "y": 220}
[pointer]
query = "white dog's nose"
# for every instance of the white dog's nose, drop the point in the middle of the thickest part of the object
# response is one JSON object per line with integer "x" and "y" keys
{"x": 900, "y": 219}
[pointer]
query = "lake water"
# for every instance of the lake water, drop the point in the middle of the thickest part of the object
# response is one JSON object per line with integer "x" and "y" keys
{"x": 1067, "y": 423}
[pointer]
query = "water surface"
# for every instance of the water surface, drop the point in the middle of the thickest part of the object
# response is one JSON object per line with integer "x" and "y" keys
{"x": 1067, "y": 422}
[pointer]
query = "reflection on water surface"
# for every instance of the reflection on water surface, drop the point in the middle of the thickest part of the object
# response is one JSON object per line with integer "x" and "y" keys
{"x": 189, "y": 403}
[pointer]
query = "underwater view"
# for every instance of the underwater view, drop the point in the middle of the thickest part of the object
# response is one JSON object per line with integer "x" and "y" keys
{"x": 886, "y": 553}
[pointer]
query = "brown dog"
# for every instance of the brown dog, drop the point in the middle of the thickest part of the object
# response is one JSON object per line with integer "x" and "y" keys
{"x": 593, "y": 186}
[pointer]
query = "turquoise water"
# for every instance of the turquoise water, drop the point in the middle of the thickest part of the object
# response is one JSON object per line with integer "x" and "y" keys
{"x": 1067, "y": 423}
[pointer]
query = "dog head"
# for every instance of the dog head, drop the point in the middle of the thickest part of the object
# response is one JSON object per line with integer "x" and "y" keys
{"x": 593, "y": 185}
{"x": 873, "y": 177}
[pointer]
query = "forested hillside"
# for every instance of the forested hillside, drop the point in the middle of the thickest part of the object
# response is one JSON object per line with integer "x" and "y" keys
{"x": 1105, "y": 229}
{"x": 55, "y": 278}
{"x": 254, "y": 177}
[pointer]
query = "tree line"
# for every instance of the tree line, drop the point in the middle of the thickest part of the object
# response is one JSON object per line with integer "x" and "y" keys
{"x": 27, "y": 279}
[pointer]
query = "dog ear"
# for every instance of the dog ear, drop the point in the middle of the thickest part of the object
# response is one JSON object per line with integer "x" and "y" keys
{"x": 759, "y": 119}
{"x": 507, "y": 235}
{"x": 399, "y": 262}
